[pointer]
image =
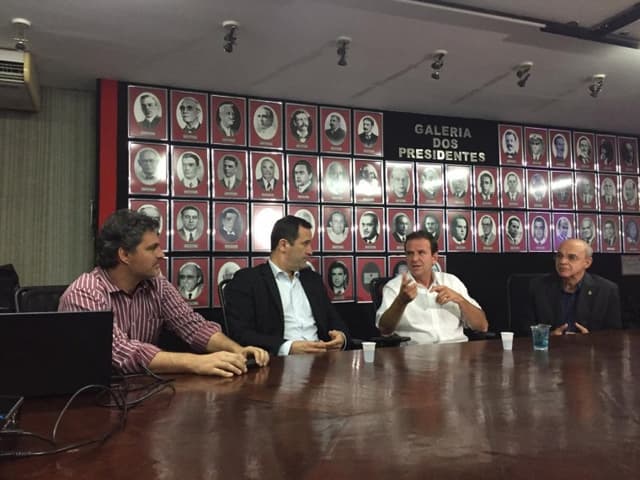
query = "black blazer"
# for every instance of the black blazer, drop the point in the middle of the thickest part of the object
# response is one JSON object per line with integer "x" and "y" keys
{"x": 597, "y": 308}
{"x": 254, "y": 310}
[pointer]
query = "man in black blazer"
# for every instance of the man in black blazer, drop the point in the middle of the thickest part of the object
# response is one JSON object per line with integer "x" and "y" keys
{"x": 572, "y": 300}
{"x": 282, "y": 305}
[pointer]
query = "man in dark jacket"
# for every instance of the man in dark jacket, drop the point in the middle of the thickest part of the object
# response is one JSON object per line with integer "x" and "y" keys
{"x": 282, "y": 305}
{"x": 572, "y": 300}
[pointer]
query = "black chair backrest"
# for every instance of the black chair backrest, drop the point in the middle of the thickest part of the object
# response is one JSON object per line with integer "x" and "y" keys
{"x": 223, "y": 301}
{"x": 375, "y": 289}
{"x": 518, "y": 302}
{"x": 9, "y": 283}
{"x": 39, "y": 298}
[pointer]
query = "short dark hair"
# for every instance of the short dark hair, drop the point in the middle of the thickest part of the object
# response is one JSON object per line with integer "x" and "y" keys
{"x": 287, "y": 228}
{"x": 343, "y": 267}
{"x": 123, "y": 229}
{"x": 191, "y": 155}
{"x": 424, "y": 235}
{"x": 232, "y": 158}
{"x": 305, "y": 164}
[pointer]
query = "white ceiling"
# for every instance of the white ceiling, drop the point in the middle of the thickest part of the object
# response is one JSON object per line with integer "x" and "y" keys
{"x": 287, "y": 49}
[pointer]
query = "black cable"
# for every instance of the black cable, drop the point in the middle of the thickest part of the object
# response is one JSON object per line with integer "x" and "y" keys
{"x": 118, "y": 399}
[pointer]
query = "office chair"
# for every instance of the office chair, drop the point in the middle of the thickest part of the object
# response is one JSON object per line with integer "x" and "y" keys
{"x": 223, "y": 302}
{"x": 9, "y": 283}
{"x": 39, "y": 298}
{"x": 393, "y": 340}
{"x": 518, "y": 301}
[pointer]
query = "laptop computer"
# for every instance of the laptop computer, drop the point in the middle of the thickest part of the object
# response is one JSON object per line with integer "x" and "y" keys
{"x": 54, "y": 353}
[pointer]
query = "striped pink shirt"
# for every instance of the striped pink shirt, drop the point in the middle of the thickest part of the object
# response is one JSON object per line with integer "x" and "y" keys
{"x": 138, "y": 318}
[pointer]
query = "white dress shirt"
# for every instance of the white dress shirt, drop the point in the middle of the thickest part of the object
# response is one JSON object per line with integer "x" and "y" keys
{"x": 423, "y": 319}
{"x": 299, "y": 323}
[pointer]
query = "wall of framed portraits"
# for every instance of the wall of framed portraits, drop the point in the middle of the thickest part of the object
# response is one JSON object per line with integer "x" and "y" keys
{"x": 218, "y": 170}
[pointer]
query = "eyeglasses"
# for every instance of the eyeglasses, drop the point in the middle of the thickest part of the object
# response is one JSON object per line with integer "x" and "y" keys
{"x": 189, "y": 108}
{"x": 572, "y": 257}
{"x": 186, "y": 276}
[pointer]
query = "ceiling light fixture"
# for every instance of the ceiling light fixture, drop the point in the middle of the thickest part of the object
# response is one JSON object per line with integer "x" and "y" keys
{"x": 21, "y": 25}
{"x": 231, "y": 26}
{"x": 342, "y": 44}
{"x": 523, "y": 72}
{"x": 596, "y": 85}
{"x": 438, "y": 63}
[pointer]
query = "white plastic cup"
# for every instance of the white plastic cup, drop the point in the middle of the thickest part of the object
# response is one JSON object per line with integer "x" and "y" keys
{"x": 369, "y": 351}
{"x": 507, "y": 340}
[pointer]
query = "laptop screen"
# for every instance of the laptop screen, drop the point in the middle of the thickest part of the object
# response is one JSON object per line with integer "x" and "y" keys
{"x": 54, "y": 353}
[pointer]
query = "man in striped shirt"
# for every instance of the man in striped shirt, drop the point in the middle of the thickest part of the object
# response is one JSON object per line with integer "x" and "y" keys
{"x": 128, "y": 282}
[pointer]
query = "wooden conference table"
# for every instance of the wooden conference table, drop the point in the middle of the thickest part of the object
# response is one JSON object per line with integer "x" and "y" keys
{"x": 447, "y": 411}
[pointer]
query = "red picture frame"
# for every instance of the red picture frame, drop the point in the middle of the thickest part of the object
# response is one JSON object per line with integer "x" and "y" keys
{"x": 190, "y": 116}
{"x": 147, "y": 112}
{"x": 148, "y": 168}
{"x": 190, "y": 167}
{"x": 368, "y": 133}
{"x": 336, "y": 130}
{"x": 266, "y": 124}
{"x": 230, "y": 227}
{"x": 190, "y": 276}
{"x": 302, "y": 127}
{"x": 228, "y": 120}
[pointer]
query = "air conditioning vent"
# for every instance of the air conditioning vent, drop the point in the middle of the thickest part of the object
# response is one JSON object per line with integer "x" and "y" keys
{"x": 19, "y": 89}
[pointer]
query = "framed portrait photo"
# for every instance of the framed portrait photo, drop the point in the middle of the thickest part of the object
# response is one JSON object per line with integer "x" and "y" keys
{"x": 335, "y": 125}
{"x": 460, "y": 231}
{"x": 487, "y": 183}
{"x": 607, "y": 153}
{"x": 158, "y": 210}
{"x": 587, "y": 229}
{"x": 400, "y": 223}
{"x": 190, "y": 167}
{"x": 304, "y": 178}
{"x": 610, "y": 234}
{"x": 338, "y": 278}
{"x": 230, "y": 232}
{"x": 400, "y": 177}
{"x": 628, "y": 154}
{"x": 228, "y": 120}
{"x": 190, "y": 116}
{"x": 586, "y": 198}
{"x": 584, "y": 146}
{"x": 608, "y": 192}
{"x": 539, "y": 231}
{"x": 190, "y": 225}
{"x": 629, "y": 198}
{"x": 537, "y": 140}
{"x": 430, "y": 184}
{"x": 369, "y": 233}
{"x": 368, "y": 181}
{"x": 336, "y": 179}
{"x": 268, "y": 175}
{"x": 560, "y": 151}
{"x": 338, "y": 227}
{"x": 191, "y": 277}
{"x": 310, "y": 213}
{"x": 224, "y": 268}
{"x": 631, "y": 229}
{"x": 432, "y": 221}
{"x": 302, "y": 127}
{"x": 487, "y": 231}
{"x": 562, "y": 190}
{"x": 458, "y": 185}
{"x": 230, "y": 174}
{"x": 147, "y": 112}
{"x": 266, "y": 124}
{"x": 397, "y": 265}
{"x": 513, "y": 192}
{"x": 368, "y": 133}
{"x": 513, "y": 229}
{"x": 148, "y": 169}
{"x": 564, "y": 227}
{"x": 368, "y": 269}
{"x": 510, "y": 144}
{"x": 263, "y": 218}
{"x": 538, "y": 188}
